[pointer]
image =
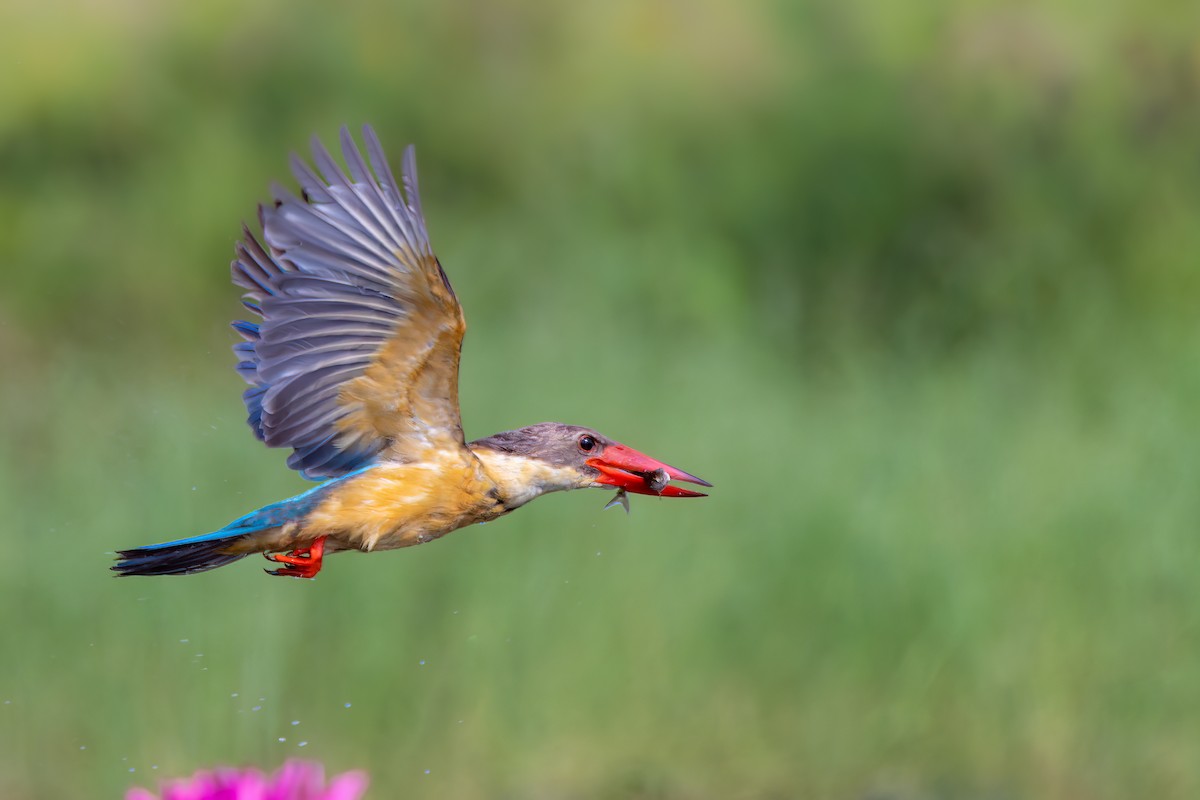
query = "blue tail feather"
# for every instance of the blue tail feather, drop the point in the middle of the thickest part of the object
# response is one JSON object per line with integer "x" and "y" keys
{"x": 209, "y": 550}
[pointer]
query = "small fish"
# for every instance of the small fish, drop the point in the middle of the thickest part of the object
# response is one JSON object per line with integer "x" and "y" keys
{"x": 657, "y": 481}
{"x": 619, "y": 499}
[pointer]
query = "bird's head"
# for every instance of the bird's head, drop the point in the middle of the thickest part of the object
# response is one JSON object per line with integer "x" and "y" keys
{"x": 559, "y": 456}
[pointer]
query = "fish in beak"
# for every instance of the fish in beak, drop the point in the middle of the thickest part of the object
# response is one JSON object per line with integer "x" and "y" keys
{"x": 631, "y": 471}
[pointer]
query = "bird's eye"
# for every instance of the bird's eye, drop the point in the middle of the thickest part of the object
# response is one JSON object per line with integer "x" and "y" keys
{"x": 586, "y": 443}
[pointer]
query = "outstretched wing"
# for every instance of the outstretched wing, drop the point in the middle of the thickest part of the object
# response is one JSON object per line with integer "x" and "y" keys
{"x": 358, "y": 347}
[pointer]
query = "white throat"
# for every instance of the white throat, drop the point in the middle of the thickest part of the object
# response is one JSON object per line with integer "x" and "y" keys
{"x": 520, "y": 479}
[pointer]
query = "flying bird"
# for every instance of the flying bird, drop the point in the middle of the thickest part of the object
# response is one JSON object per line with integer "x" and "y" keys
{"x": 354, "y": 366}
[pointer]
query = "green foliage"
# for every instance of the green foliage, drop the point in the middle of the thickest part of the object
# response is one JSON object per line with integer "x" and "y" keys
{"x": 914, "y": 287}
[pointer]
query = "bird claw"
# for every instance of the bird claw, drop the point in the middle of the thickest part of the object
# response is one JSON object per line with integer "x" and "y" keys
{"x": 304, "y": 562}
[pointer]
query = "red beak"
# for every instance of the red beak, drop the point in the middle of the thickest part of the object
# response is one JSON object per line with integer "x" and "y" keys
{"x": 636, "y": 472}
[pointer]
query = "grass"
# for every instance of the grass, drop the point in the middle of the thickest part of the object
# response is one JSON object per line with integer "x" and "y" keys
{"x": 958, "y": 579}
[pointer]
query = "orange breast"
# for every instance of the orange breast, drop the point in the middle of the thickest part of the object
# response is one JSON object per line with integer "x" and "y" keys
{"x": 397, "y": 505}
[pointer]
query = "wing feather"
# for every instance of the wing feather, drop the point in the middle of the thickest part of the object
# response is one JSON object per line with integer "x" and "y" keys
{"x": 303, "y": 328}
{"x": 310, "y": 363}
{"x": 293, "y": 395}
{"x": 288, "y": 349}
{"x": 357, "y": 353}
{"x": 318, "y": 244}
{"x": 374, "y": 202}
{"x": 300, "y": 429}
{"x": 345, "y": 196}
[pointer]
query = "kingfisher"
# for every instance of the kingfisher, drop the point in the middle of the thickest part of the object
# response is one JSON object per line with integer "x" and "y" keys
{"x": 354, "y": 366}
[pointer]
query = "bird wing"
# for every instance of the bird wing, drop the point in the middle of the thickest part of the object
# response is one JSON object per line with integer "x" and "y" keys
{"x": 358, "y": 349}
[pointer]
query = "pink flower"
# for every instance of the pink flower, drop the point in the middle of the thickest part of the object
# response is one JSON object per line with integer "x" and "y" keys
{"x": 295, "y": 780}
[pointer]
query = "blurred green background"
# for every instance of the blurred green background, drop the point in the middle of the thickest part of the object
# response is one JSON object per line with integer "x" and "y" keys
{"x": 915, "y": 285}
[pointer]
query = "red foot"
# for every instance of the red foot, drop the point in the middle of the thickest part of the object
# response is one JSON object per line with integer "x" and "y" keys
{"x": 302, "y": 563}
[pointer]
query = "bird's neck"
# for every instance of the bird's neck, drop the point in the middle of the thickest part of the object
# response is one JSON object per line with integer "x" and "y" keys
{"x": 520, "y": 479}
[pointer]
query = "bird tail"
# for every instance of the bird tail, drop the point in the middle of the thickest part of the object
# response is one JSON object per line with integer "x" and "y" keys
{"x": 216, "y": 549}
{"x": 180, "y": 558}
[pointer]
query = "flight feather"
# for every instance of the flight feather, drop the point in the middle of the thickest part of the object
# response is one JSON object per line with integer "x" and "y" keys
{"x": 357, "y": 353}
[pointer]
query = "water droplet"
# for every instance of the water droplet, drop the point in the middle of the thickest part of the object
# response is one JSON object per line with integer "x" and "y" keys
{"x": 302, "y": 744}
{"x": 295, "y": 722}
{"x": 133, "y": 769}
{"x": 262, "y": 699}
{"x": 235, "y": 694}
{"x": 154, "y": 766}
{"x": 283, "y": 738}
{"x": 426, "y": 772}
{"x": 422, "y": 662}
{"x": 597, "y": 552}
{"x": 257, "y": 708}
{"x": 83, "y": 747}
{"x": 347, "y": 705}
{"x": 184, "y": 641}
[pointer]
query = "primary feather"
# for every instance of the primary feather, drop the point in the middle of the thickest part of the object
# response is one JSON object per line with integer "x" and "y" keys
{"x": 358, "y": 349}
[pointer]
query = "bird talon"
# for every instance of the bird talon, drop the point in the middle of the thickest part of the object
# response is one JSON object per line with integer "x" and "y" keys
{"x": 292, "y": 557}
{"x": 291, "y": 572}
{"x": 304, "y": 562}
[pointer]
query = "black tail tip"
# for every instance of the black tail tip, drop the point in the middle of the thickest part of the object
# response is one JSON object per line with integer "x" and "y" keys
{"x": 174, "y": 559}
